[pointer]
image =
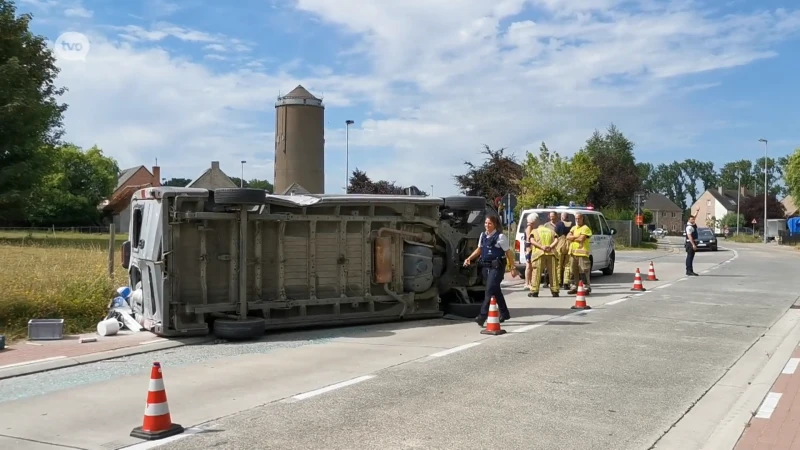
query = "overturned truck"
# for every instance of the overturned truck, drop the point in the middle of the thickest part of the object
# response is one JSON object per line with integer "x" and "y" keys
{"x": 238, "y": 262}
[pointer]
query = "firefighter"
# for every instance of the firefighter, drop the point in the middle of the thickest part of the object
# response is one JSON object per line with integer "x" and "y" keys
{"x": 496, "y": 258}
{"x": 543, "y": 242}
{"x": 562, "y": 251}
{"x": 579, "y": 251}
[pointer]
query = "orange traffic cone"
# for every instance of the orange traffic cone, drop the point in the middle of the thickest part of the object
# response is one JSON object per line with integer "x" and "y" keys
{"x": 493, "y": 321}
{"x": 651, "y": 273}
{"x": 157, "y": 423}
{"x": 637, "y": 282}
{"x": 580, "y": 298}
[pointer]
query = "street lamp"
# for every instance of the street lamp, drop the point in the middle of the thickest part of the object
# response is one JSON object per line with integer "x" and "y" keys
{"x": 765, "y": 188}
{"x": 241, "y": 180}
{"x": 738, "y": 196}
{"x": 347, "y": 124}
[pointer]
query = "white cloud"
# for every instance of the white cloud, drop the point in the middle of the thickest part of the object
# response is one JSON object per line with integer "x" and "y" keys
{"x": 445, "y": 77}
{"x": 79, "y": 12}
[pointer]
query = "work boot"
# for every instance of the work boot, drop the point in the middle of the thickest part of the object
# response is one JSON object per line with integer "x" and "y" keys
{"x": 565, "y": 286}
{"x": 480, "y": 320}
{"x": 533, "y": 294}
{"x": 572, "y": 291}
{"x": 555, "y": 294}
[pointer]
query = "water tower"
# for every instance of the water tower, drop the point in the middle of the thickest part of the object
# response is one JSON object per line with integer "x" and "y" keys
{"x": 300, "y": 142}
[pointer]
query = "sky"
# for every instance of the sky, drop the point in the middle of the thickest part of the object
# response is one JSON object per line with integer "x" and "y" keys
{"x": 427, "y": 82}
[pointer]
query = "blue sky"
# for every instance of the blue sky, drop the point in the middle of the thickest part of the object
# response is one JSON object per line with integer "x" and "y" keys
{"x": 427, "y": 81}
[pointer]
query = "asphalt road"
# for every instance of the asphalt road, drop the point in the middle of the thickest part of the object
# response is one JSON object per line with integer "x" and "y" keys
{"x": 616, "y": 377}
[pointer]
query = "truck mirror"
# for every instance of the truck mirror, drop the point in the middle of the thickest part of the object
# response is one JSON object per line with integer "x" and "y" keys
{"x": 126, "y": 254}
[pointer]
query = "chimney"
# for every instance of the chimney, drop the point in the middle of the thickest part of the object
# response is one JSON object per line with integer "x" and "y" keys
{"x": 214, "y": 165}
{"x": 156, "y": 176}
{"x": 719, "y": 188}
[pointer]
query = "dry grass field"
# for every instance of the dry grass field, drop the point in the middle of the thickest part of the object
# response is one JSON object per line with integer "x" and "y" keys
{"x": 55, "y": 277}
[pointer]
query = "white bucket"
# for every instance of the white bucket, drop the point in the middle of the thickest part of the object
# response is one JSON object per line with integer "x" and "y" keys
{"x": 108, "y": 327}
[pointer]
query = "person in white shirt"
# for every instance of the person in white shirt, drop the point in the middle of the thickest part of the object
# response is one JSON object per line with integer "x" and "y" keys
{"x": 691, "y": 245}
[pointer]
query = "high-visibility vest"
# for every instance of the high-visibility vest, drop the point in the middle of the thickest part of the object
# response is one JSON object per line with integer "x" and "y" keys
{"x": 546, "y": 238}
{"x": 577, "y": 248}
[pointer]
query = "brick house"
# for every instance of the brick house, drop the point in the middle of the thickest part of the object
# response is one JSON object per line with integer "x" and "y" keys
{"x": 666, "y": 214}
{"x": 714, "y": 204}
{"x": 117, "y": 206}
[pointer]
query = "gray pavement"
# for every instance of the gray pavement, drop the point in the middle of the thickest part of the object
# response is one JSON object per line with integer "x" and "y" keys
{"x": 616, "y": 377}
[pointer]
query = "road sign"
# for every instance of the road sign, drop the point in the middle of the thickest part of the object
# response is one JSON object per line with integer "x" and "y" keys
{"x": 639, "y": 220}
{"x": 497, "y": 202}
{"x": 754, "y": 221}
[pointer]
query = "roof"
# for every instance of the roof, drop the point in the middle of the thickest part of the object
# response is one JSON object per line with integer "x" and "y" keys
{"x": 205, "y": 172}
{"x": 728, "y": 197}
{"x": 300, "y": 92}
{"x": 127, "y": 174}
{"x": 295, "y": 189}
{"x": 660, "y": 202}
{"x": 790, "y": 205}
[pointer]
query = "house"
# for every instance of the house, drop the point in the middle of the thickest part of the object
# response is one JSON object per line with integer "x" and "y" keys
{"x": 666, "y": 214}
{"x": 295, "y": 189}
{"x": 792, "y": 210}
{"x": 714, "y": 204}
{"x": 212, "y": 178}
{"x": 117, "y": 206}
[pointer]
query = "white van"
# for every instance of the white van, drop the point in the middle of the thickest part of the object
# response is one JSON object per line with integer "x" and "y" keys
{"x": 603, "y": 253}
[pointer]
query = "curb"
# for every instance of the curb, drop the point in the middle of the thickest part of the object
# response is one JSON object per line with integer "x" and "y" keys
{"x": 32, "y": 367}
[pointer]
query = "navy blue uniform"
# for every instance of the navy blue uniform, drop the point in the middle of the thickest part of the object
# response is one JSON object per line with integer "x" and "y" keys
{"x": 493, "y": 262}
{"x": 691, "y": 230}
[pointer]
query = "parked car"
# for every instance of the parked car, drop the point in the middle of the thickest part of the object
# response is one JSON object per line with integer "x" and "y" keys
{"x": 707, "y": 240}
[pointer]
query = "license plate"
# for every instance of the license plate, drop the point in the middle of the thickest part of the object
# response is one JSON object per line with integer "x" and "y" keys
{"x": 701, "y": 245}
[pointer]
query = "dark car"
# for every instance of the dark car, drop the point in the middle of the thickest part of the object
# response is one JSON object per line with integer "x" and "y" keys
{"x": 706, "y": 239}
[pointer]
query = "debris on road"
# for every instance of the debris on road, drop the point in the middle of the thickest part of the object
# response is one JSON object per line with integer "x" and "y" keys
{"x": 120, "y": 315}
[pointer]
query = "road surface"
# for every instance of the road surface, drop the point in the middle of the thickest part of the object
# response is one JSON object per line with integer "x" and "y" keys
{"x": 620, "y": 376}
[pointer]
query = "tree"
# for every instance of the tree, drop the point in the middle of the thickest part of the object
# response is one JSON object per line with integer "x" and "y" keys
{"x": 729, "y": 173}
{"x": 254, "y": 184}
{"x": 497, "y": 176}
{"x": 753, "y": 208}
{"x": 612, "y": 153}
{"x": 791, "y": 174}
{"x": 30, "y": 116}
{"x": 775, "y": 169}
{"x": 694, "y": 171}
{"x": 177, "y": 182}
{"x": 360, "y": 183}
{"x": 550, "y": 179}
{"x": 730, "y": 220}
{"x": 646, "y": 176}
{"x": 669, "y": 179}
{"x": 78, "y": 182}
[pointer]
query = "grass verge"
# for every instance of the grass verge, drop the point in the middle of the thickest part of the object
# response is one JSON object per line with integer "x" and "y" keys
{"x": 58, "y": 239}
{"x": 641, "y": 246}
{"x": 53, "y": 280}
{"x": 745, "y": 239}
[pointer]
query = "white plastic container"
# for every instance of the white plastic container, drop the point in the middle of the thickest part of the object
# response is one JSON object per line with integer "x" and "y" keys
{"x": 108, "y": 327}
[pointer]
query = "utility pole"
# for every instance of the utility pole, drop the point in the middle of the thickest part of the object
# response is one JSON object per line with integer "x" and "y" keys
{"x": 347, "y": 124}
{"x": 766, "y": 164}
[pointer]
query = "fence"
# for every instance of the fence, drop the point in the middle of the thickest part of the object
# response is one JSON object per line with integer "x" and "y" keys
{"x": 628, "y": 234}
{"x": 784, "y": 238}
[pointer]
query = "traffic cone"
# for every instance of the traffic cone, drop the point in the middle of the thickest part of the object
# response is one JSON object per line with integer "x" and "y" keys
{"x": 651, "y": 273}
{"x": 493, "y": 321}
{"x": 157, "y": 423}
{"x": 637, "y": 282}
{"x": 580, "y": 298}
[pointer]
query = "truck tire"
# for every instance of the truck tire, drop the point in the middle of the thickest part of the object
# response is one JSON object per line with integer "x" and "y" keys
{"x": 234, "y": 330}
{"x": 240, "y": 196}
{"x": 464, "y": 203}
{"x": 467, "y": 310}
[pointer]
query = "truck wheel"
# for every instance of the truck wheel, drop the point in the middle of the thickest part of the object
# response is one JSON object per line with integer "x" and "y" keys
{"x": 468, "y": 310}
{"x": 240, "y": 196}
{"x": 464, "y": 203}
{"x": 232, "y": 329}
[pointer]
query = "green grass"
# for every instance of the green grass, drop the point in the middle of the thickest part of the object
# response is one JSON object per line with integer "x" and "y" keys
{"x": 641, "y": 246}
{"x": 58, "y": 239}
{"x": 745, "y": 239}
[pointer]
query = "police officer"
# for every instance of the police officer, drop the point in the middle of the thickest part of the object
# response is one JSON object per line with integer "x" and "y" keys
{"x": 691, "y": 245}
{"x": 496, "y": 258}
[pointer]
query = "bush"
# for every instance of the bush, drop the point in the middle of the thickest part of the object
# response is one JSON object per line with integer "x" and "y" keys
{"x": 47, "y": 282}
{"x": 745, "y": 238}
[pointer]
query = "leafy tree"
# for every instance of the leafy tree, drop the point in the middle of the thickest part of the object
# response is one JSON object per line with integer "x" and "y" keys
{"x": 669, "y": 180}
{"x": 550, "y": 179}
{"x": 360, "y": 183}
{"x": 30, "y": 116}
{"x": 753, "y": 208}
{"x": 775, "y": 169}
{"x": 612, "y": 153}
{"x": 498, "y": 175}
{"x": 791, "y": 174}
{"x": 646, "y": 175}
{"x": 729, "y": 220}
{"x": 254, "y": 183}
{"x": 694, "y": 171}
{"x": 729, "y": 175}
{"x": 78, "y": 182}
{"x": 177, "y": 182}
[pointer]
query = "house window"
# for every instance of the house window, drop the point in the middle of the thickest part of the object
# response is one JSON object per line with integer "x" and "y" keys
{"x": 673, "y": 215}
{"x": 708, "y": 202}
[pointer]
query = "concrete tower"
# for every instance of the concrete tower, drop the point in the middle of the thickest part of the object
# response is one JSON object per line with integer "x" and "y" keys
{"x": 300, "y": 142}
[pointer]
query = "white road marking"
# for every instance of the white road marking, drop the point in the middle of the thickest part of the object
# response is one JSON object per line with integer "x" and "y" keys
{"x": 36, "y": 361}
{"x": 663, "y": 286}
{"x": 147, "y": 445}
{"x": 791, "y": 366}
{"x": 450, "y": 351}
{"x": 527, "y": 328}
{"x": 330, "y": 388}
{"x": 768, "y": 406}
{"x": 705, "y": 271}
{"x": 616, "y": 302}
{"x": 152, "y": 341}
